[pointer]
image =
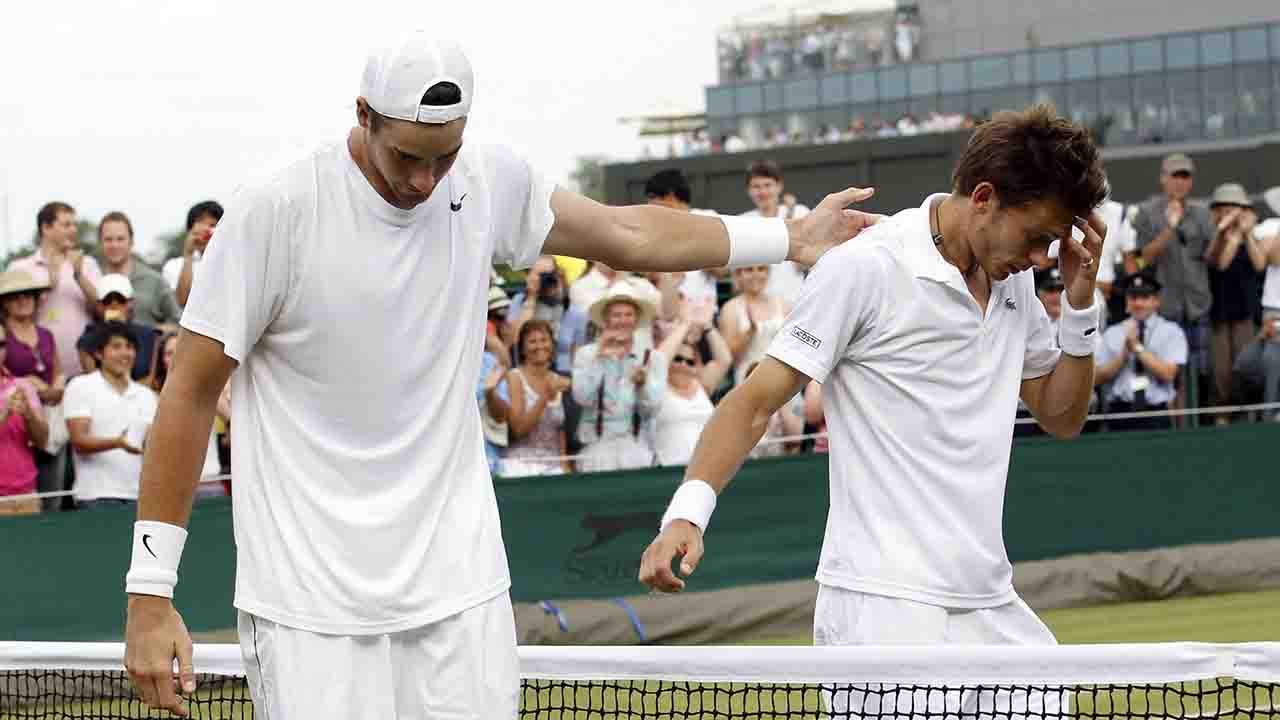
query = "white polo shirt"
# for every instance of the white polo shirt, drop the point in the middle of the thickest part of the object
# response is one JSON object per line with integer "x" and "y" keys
{"x": 363, "y": 501}
{"x": 113, "y": 473}
{"x": 920, "y": 389}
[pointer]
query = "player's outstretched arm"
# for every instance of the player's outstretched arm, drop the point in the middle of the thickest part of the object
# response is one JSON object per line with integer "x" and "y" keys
{"x": 737, "y": 424}
{"x": 650, "y": 238}
{"x": 155, "y": 634}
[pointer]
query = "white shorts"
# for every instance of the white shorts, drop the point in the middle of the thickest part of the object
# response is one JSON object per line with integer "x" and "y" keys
{"x": 848, "y": 617}
{"x": 462, "y": 667}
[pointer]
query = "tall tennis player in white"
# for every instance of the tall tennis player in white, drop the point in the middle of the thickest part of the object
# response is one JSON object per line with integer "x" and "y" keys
{"x": 349, "y": 290}
{"x": 924, "y": 333}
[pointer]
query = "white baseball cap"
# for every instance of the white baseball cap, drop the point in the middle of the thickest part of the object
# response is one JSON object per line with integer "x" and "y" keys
{"x": 115, "y": 283}
{"x": 399, "y": 73}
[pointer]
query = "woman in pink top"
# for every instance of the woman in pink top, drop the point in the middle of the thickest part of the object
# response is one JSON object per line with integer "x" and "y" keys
{"x": 22, "y": 425}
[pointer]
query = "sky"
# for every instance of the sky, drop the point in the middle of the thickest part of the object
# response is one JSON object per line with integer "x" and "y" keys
{"x": 148, "y": 106}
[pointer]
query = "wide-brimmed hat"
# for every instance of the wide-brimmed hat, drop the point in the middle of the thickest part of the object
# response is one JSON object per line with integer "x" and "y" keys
{"x": 498, "y": 299}
{"x": 1230, "y": 194}
{"x": 13, "y": 282}
{"x": 625, "y": 290}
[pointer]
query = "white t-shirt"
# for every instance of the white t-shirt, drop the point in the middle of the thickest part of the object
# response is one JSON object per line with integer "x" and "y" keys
{"x": 678, "y": 425}
{"x": 920, "y": 392}
{"x": 1271, "y": 285}
{"x": 1120, "y": 238}
{"x": 172, "y": 270}
{"x": 699, "y": 286}
{"x": 785, "y": 278}
{"x": 363, "y": 502}
{"x": 112, "y": 473}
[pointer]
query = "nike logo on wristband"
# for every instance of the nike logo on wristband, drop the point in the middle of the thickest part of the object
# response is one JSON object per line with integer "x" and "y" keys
{"x": 147, "y": 545}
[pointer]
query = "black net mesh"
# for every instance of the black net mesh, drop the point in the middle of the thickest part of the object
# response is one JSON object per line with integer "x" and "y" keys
{"x": 91, "y": 694}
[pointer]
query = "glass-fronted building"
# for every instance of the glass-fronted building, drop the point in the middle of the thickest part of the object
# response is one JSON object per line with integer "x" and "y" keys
{"x": 1206, "y": 85}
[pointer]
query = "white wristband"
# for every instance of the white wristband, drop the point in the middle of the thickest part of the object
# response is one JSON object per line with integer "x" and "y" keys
{"x": 157, "y": 549}
{"x": 694, "y": 501}
{"x": 1078, "y": 329}
{"x": 756, "y": 241}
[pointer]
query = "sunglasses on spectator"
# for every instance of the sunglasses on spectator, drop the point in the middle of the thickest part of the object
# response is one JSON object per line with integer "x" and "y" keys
{"x": 685, "y": 360}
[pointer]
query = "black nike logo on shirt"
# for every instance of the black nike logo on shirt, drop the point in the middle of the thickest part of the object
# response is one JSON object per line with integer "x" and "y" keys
{"x": 456, "y": 206}
{"x": 147, "y": 545}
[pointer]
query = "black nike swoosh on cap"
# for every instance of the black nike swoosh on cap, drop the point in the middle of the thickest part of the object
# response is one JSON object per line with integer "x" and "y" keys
{"x": 147, "y": 545}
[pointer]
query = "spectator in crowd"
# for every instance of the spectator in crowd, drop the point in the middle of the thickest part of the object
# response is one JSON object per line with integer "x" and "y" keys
{"x": 212, "y": 466}
{"x": 750, "y": 319}
{"x": 1049, "y": 288}
{"x": 1118, "y": 256}
{"x": 617, "y": 385}
{"x": 115, "y": 304}
{"x": 670, "y": 188}
{"x": 815, "y": 417}
{"x": 180, "y": 272}
{"x": 153, "y": 300}
{"x": 491, "y": 394}
{"x": 1172, "y": 236}
{"x": 1140, "y": 358}
{"x": 538, "y": 444}
{"x": 22, "y": 429}
{"x": 1259, "y": 364}
{"x": 686, "y": 404}
{"x": 32, "y": 350}
{"x": 1236, "y": 260}
{"x": 497, "y": 337}
{"x": 765, "y": 187}
{"x": 32, "y": 356}
{"x": 787, "y": 422}
{"x": 600, "y": 280}
{"x": 857, "y": 128}
{"x": 72, "y": 278}
{"x": 108, "y": 417}
{"x": 545, "y": 283}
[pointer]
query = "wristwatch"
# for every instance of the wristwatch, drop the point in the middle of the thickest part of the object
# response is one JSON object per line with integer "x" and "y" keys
{"x": 1139, "y": 349}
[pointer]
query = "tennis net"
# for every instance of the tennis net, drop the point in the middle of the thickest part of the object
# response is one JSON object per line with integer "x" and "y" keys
{"x": 1174, "y": 680}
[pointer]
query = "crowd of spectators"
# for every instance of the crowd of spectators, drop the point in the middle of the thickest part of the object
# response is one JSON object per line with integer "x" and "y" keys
{"x": 855, "y": 43}
{"x": 88, "y": 341}
{"x": 1190, "y": 319}
{"x": 589, "y": 368}
{"x": 859, "y": 128}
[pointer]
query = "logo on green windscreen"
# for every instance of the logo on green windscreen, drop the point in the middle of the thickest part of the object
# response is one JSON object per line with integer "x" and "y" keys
{"x": 609, "y": 547}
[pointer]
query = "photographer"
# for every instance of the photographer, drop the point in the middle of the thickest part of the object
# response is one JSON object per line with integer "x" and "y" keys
{"x": 1140, "y": 358}
{"x": 546, "y": 283}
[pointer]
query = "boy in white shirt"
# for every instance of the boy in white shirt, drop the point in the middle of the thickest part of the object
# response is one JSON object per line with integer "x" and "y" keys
{"x": 108, "y": 415}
